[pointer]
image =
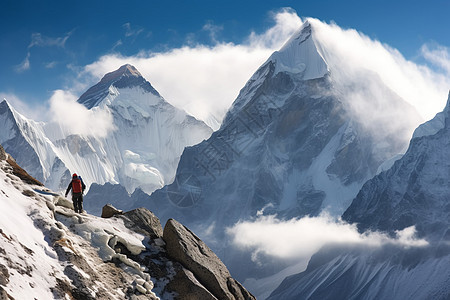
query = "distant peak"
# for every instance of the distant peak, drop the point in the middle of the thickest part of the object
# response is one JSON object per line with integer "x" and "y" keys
{"x": 124, "y": 71}
{"x": 304, "y": 32}
{"x": 127, "y": 76}
{"x": 5, "y": 103}
{"x": 301, "y": 56}
{"x": 129, "y": 70}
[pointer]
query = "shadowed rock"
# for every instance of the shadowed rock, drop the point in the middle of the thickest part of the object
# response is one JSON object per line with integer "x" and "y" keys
{"x": 109, "y": 211}
{"x": 185, "y": 247}
{"x": 188, "y": 287}
{"x": 2, "y": 153}
{"x": 143, "y": 221}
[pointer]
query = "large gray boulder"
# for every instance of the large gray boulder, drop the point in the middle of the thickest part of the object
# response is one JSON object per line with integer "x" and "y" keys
{"x": 143, "y": 221}
{"x": 186, "y": 248}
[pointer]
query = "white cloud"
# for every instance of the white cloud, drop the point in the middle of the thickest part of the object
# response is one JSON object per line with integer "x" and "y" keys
{"x": 132, "y": 32}
{"x": 349, "y": 51}
{"x": 437, "y": 55}
{"x": 37, "y": 39}
{"x": 76, "y": 118}
{"x": 24, "y": 65}
{"x": 204, "y": 80}
{"x": 301, "y": 238}
{"x": 213, "y": 30}
{"x": 51, "y": 65}
{"x": 117, "y": 44}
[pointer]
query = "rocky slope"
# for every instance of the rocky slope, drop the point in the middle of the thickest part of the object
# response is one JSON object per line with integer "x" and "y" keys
{"x": 49, "y": 252}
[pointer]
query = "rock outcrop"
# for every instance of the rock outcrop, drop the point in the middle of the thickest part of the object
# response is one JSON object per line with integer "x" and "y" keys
{"x": 2, "y": 153}
{"x": 128, "y": 256}
{"x": 188, "y": 287}
{"x": 143, "y": 221}
{"x": 185, "y": 247}
{"x": 110, "y": 211}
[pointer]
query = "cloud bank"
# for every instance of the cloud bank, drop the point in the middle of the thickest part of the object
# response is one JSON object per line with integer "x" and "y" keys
{"x": 348, "y": 51}
{"x": 205, "y": 80}
{"x": 437, "y": 55}
{"x": 76, "y": 118}
{"x": 301, "y": 238}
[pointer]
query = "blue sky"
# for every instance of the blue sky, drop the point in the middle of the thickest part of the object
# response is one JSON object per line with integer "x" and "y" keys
{"x": 46, "y": 45}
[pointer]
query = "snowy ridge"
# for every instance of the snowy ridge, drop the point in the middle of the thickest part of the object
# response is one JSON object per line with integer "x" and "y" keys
{"x": 17, "y": 128}
{"x": 36, "y": 229}
{"x": 49, "y": 252}
{"x": 142, "y": 152}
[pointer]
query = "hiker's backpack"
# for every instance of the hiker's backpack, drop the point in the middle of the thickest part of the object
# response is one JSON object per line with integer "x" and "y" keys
{"x": 76, "y": 185}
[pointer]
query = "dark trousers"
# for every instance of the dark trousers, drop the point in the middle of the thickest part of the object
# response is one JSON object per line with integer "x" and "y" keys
{"x": 77, "y": 199}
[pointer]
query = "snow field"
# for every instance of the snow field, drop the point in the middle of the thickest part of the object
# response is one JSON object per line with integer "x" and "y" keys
{"x": 31, "y": 224}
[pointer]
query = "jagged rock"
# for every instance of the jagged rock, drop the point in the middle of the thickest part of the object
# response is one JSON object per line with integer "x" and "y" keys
{"x": 185, "y": 247}
{"x": 4, "y": 295}
{"x": 143, "y": 221}
{"x": 187, "y": 287}
{"x": 4, "y": 275}
{"x": 109, "y": 211}
{"x": 21, "y": 173}
{"x": 2, "y": 153}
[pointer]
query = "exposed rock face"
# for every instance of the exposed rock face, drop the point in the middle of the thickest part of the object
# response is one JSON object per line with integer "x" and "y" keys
{"x": 2, "y": 153}
{"x": 143, "y": 221}
{"x": 185, "y": 247}
{"x": 103, "y": 259}
{"x": 109, "y": 211}
{"x": 4, "y": 275}
{"x": 188, "y": 287}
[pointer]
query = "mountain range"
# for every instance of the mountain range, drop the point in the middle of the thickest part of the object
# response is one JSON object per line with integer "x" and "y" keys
{"x": 296, "y": 142}
{"x": 304, "y": 136}
{"x": 414, "y": 192}
{"x": 142, "y": 151}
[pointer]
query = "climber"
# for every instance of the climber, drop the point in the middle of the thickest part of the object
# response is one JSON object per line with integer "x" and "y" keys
{"x": 78, "y": 187}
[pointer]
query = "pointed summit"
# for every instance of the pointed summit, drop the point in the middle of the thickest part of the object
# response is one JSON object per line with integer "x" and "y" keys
{"x": 301, "y": 56}
{"x": 127, "y": 76}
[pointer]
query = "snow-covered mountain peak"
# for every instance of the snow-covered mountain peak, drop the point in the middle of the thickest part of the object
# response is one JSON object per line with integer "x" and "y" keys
{"x": 127, "y": 76}
{"x": 301, "y": 56}
{"x": 129, "y": 70}
{"x": 5, "y": 107}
